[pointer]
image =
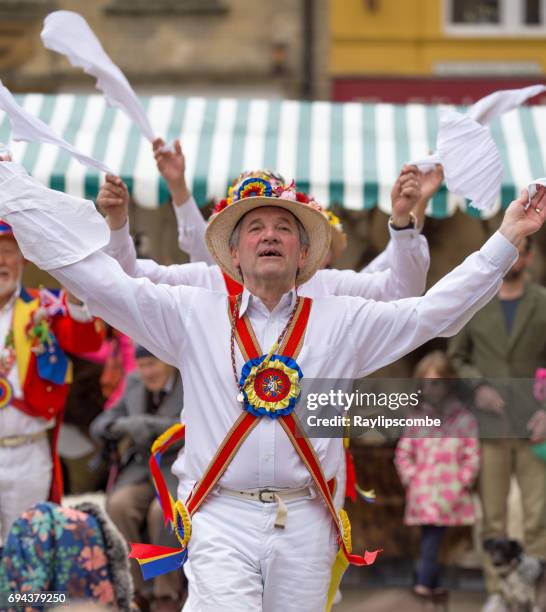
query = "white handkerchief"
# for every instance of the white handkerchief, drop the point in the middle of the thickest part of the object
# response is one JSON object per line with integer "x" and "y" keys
{"x": 499, "y": 102}
{"x": 428, "y": 163}
{"x": 31, "y": 129}
{"x": 472, "y": 163}
{"x": 20, "y": 194}
{"x": 68, "y": 33}
{"x": 532, "y": 188}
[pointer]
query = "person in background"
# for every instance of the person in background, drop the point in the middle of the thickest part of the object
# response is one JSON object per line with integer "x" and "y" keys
{"x": 503, "y": 345}
{"x": 37, "y": 330}
{"x": 76, "y": 551}
{"x": 151, "y": 404}
{"x": 438, "y": 466}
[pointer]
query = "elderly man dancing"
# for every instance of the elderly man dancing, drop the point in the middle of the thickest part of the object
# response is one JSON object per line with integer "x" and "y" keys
{"x": 263, "y": 534}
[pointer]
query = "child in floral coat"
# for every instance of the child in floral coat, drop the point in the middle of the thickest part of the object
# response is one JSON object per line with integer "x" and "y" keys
{"x": 438, "y": 466}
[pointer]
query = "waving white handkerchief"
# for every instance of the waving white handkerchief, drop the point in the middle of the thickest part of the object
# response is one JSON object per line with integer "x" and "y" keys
{"x": 472, "y": 163}
{"x": 31, "y": 129}
{"x": 502, "y": 101}
{"x": 20, "y": 193}
{"x": 532, "y": 188}
{"x": 68, "y": 33}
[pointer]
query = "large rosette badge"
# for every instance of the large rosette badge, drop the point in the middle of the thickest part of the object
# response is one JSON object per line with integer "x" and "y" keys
{"x": 270, "y": 386}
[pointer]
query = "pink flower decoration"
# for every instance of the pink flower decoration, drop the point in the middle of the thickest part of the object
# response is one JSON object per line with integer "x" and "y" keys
{"x": 288, "y": 194}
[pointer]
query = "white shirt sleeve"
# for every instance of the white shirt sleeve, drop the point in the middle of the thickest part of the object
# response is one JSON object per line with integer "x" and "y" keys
{"x": 384, "y": 332}
{"x": 191, "y": 232}
{"x": 399, "y": 272}
{"x": 122, "y": 249}
{"x": 156, "y": 316}
{"x": 63, "y": 234}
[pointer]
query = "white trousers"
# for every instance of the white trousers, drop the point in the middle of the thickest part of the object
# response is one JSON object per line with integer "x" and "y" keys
{"x": 238, "y": 560}
{"x": 25, "y": 480}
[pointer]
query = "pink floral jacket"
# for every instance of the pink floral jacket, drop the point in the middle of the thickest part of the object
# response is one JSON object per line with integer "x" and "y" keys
{"x": 439, "y": 470}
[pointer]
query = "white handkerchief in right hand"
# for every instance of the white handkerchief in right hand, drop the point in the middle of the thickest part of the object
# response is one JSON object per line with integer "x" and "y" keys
{"x": 32, "y": 129}
{"x": 68, "y": 33}
{"x": 85, "y": 233}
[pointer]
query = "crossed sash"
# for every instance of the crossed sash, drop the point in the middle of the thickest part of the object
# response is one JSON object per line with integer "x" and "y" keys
{"x": 156, "y": 560}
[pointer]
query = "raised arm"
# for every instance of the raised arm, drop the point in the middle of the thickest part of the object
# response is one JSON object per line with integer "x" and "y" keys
{"x": 430, "y": 183}
{"x": 190, "y": 221}
{"x": 401, "y": 270}
{"x": 383, "y": 333}
{"x": 113, "y": 200}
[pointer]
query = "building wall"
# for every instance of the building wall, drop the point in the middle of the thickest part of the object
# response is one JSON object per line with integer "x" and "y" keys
{"x": 381, "y": 40}
{"x": 172, "y": 45}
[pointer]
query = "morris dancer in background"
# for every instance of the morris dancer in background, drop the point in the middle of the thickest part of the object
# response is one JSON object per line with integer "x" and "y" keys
{"x": 36, "y": 328}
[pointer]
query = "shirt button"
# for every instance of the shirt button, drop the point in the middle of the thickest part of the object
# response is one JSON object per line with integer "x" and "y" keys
{"x": 53, "y": 359}
{"x": 49, "y": 388}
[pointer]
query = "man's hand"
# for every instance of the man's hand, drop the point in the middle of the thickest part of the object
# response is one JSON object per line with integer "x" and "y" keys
{"x": 537, "y": 426}
{"x": 405, "y": 194}
{"x": 172, "y": 167}
{"x": 430, "y": 183}
{"x": 489, "y": 399}
{"x": 518, "y": 222}
{"x": 139, "y": 427}
{"x": 113, "y": 200}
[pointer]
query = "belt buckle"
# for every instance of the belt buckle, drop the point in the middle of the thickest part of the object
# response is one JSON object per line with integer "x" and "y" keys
{"x": 266, "y": 501}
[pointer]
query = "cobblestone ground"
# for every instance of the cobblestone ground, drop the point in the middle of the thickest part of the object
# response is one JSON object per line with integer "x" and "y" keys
{"x": 400, "y": 600}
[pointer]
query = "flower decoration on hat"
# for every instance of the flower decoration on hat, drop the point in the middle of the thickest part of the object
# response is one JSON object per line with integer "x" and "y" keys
{"x": 254, "y": 187}
{"x": 333, "y": 220}
{"x": 260, "y": 183}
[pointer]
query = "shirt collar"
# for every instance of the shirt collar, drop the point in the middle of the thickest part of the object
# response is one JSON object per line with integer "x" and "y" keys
{"x": 287, "y": 301}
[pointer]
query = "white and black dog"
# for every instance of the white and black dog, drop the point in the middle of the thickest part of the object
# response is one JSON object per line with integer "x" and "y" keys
{"x": 522, "y": 577}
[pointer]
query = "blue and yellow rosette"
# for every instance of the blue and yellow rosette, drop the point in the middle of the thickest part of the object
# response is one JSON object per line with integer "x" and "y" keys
{"x": 270, "y": 385}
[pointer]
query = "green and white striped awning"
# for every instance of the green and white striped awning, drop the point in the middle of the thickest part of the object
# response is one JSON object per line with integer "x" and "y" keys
{"x": 348, "y": 154}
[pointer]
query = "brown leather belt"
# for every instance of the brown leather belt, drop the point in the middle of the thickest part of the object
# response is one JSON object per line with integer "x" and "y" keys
{"x": 12, "y": 441}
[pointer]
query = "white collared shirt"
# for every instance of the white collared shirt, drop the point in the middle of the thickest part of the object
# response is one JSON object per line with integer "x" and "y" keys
{"x": 346, "y": 337}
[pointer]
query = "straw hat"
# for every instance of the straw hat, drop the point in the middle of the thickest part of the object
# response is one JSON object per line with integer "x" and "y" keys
{"x": 263, "y": 188}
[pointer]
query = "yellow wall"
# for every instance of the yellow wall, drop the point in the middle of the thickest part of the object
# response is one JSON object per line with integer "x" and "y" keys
{"x": 406, "y": 37}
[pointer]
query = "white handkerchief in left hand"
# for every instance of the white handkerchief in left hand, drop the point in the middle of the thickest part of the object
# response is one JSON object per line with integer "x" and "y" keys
{"x": 499, "y": 102}
{"x": 30, "y": 207}
{"x": 68, "y": 33}
{"x": 471, "y": 160}
{"x": 31, "y": 129}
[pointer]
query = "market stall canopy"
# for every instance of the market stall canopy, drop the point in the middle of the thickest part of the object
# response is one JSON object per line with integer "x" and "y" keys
{"x": 347, "y": 154}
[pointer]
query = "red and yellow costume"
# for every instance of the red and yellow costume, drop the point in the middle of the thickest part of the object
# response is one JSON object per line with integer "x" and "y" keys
{"x": 41, "y": 338}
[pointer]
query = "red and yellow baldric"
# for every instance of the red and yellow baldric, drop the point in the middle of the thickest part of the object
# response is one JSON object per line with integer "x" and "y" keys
{"x": 270, "y": 387}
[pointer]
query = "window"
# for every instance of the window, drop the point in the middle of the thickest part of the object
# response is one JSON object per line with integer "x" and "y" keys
{"x": 533, "y": 12}
{"x": 495, "y": 17}
{"x": 475, "y": 11}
